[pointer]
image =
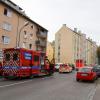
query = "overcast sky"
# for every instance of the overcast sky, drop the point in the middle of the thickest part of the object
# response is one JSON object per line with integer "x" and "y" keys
{"x": 51, "y": 14}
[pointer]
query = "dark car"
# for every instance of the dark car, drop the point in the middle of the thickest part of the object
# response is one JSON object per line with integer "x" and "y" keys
{"x": 97, "y": 70}
{"x": 0, "y": 69}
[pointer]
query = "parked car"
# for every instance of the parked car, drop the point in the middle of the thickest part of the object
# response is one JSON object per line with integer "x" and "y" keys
{"x": 97, "y": 70}
{"x": 57, "y": 65}
{"x": 0, "y": 69}
{"x": 65, "y": 68}
{"x": 72, "y": 65}
{"x": 86, "y": 73}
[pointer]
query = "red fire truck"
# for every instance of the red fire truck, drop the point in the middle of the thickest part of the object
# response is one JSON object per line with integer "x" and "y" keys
{"x": 21, "y": 62}
{"x": 79, "y": 63}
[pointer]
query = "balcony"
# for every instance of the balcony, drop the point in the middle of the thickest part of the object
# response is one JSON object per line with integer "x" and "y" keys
{"x": 41, "y": 34}
{"x": 41, "y": 43}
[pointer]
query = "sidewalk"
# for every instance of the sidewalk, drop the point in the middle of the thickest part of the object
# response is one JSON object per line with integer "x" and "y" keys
{"x": 97, "y": 93}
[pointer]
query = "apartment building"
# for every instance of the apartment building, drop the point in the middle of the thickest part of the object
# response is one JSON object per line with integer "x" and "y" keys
{"x": 64, "y": 45}
{"x": 71, "y": 45}
{"x": 18, "y": 30}
{"x": 91, "y": 56}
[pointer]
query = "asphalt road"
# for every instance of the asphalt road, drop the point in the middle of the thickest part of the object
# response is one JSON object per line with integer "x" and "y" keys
{"x": 57, "y": 87}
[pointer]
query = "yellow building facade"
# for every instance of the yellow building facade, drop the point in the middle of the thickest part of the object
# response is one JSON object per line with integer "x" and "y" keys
{"x": 50, "y": 51}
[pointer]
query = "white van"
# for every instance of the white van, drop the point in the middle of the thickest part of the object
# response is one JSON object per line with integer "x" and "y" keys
{"x": 57, "y": 65}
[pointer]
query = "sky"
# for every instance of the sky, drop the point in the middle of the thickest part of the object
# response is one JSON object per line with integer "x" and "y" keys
{"x": 52, "y": 14}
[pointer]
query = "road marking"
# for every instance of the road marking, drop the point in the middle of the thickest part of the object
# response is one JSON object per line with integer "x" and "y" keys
{"x": 14, "y": 84}
{"x": 92, "y": 93}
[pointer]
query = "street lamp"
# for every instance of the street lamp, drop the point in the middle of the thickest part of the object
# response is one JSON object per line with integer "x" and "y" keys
{"x": 27, "y": 23}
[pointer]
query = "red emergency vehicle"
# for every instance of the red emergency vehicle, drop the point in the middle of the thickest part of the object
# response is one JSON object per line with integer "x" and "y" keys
{"x": 25, "y": 63}
{"x": 79, "y": 63}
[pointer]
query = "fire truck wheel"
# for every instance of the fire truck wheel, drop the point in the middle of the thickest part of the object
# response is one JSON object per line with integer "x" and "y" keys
{"x": 19, "y": 78}
{"x": 31, "y": 76}
{"x": 9, "y": 78}
{"x": 50, "y": 74}
{"x": 6, "y": 78}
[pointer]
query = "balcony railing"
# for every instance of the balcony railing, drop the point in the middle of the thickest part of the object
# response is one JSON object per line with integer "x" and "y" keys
{"x": 41, "y": 34}
{"x": 40, "y": 43}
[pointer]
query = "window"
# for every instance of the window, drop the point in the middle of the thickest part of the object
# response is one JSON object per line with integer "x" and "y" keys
{"x": 7, "y": 26}
{"x": 58, "y": 47}
{"x": 31, "y": 35}
{"x": 5, "y": 39}
{"x": 58, "y": 53}
{"x": 30, "y": 46}
{"x": 32, "y": 26}
{"x": 7, "y": 57}
{"x": 25, "y": 34}
{"x": 15, "y": 57}
{"x": 7, "y": 12}
{"x": 36, "y": 58}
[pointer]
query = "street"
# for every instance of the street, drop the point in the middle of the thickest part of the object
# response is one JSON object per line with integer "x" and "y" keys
{"x": 56, "y": 87}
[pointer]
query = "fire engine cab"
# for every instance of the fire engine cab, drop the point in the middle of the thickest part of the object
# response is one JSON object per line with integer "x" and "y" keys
{"x": 21, "y": 62}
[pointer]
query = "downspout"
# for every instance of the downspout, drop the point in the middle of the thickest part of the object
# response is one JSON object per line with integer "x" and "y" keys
{"x": 17, "y": 32}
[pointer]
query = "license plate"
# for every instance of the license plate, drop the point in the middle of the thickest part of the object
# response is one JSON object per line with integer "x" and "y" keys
{"x": 83, "y": 74}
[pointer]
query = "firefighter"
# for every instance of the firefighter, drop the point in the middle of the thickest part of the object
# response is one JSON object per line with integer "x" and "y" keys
{"x": 49, "y": 66}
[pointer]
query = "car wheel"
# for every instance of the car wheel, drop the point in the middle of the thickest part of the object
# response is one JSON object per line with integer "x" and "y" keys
{"x": 96, "y": 78}
{"x": 93, "y": 80}
{"x": 77, "y": 79}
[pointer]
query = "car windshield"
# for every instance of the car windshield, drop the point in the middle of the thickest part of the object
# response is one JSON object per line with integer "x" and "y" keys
{"x": 85, "y": 70}
{"x": 56, "y": 65}
{"x": 62, "y": 65}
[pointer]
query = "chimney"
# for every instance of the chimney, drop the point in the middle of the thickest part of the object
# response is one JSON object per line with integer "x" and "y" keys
{"x": 64, "y": 25}
{"x": 79, "y": 31}
{"x": 75, "y": 29}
